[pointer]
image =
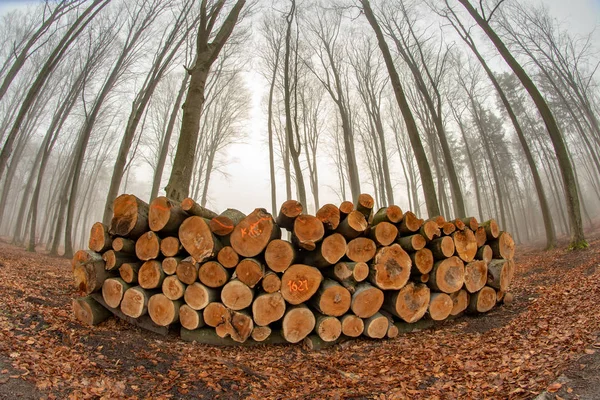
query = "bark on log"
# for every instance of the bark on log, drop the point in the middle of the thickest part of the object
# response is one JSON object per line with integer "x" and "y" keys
{"x": 225, "y": 223}
{"x": 331, "y": 299}
{"x": 442, "y": 248}
{"x": 361, "y": 249}
{"x": 147, "y": 246}
{"x": 129, "y": 272}
{"x": 492, "y": 230}
{"x": 113, "y": 290}
{"x": 409, "y": 303}
{"x": 123, "y": 245}
{"x": 288, "y": 213}
{"x": 392, "y": 214}
{"x": 89, "y": 277}
{"x": 471, "y": 223}
{"x": 250, "y": 271}
{"x": 261, "y": 333}
{"x": 376, "y": 326}
{"x": 447, "y": 276}
{"x": 328, "y": 252}
{"x": 499, "y": 274}
{"x": 271, "y": 282}
{"x": 100, "y": 240}
{"x": 366, "y": 300}
{"x": 198, "y": 240}
{"x": 130, "y": 217}
{"x": 166, "y": 216}
{"x": 187, "y": 270}
{"x": 151, "y": 275}
{"x": 268, "y": 308}
{"x": 297, "y": 323}
{"x": 353, "y": 225}
{"x": 410, "y": 224}
{"x": 198, "y": 296}
{"x": 299, "y": 283}
{"x": 169, "y": 264}
{"x": 508, "y": 298}
{"x": 392, "y": 331}
{"x": 476, "y": 275}
{"x": 482, "y": 301}
{"x": 163, "y": 311}
{"x": 89, "y": 311}
{"x": 465, "y": 244}
{"x": 440, "y": 306}
{"x": 251, "y": 236}
{"x": 352, "y": 325}
{"x": 173, "y": 288}
{"x": 485, "y": 253}
{"x": 391, "y": 268}
{"x": 384, "y": 233}
{"x": 430, "y": 230}
{"x": 460, "y": 301}
{"x": 346, "y": 207}
{"x": 191, "y": 207}
{"x": 135, "y": 302}
{"x": 328, "y": 328}
{"x": 228, "y": 258}
{"x": 213, "y": 275}
{"x": 480, "y": 236}
{"x": 365, "y": 204}
{"x": 209, "y": 336}
{"x": 171, "y": 246}
{"x": 114, "y": 259}
{"x": 329, "y": 215}
{"x": 412, "y": 242}
{"x": 422, "y": 262}
{"x": 503, "y": 247}
{"x": 279, "y": 255}
{"x": 308, "y": 231}
{"x": 439, "y": 220}
{"x": 189, "y": 318}
{"x": 236, "y": 295}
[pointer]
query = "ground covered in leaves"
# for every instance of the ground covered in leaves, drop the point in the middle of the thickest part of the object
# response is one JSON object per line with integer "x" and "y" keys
{"x": 516, "y": 351}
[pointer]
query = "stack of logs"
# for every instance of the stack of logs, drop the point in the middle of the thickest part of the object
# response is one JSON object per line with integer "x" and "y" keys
{"x": 345, "y": 272}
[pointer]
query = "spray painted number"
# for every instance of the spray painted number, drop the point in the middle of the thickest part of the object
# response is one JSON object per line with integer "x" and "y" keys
{"x": 298, "y": 286}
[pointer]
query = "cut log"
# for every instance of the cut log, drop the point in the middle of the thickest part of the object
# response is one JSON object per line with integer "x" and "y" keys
{"x": 170, "y": 246}
{"x": 187, "y": 271}
{"x": 460, "y": 226}
{"x": 191, "y": 207}
{"x": 250, "y": 271}
{"x": 448, "y": 228}
{"x": 430, "y": 230}
{"x": 151, "y": 275}
{"x": 328, "y": 328}
{"x": 225, "y": 223}
{"x": 213, "y": 274}
{"x": 198, "y": 240}
{"x": 353, "y": 225}
{"x": 166, "y": 216}
{"x": 241, "y": 326}
{"x": 328, "y": 252}
{"x": 228, "y": 258}
{"x": 123, "y": 245}
{"x": 422, "y": 262}
{"x": 359, "y": 271}
{"x": 236, "y": 295}
{"x": 471, "y": 223}
{"x": 89, "y": 277}
{"x": 424, "y": 278}
{"x": 460, "y": 302}
{"x": 100, "y": 240}
{"x": 439, "y": 220}
{"x": 499, "y": 296}
{"x": 412, "y": 242}
{"x": 393, "y": 330}
{"x": 480, "y": 236}
{"x": 485, "y": 253}
{"x": 251, "y": 236}
{"x": 346, "y": 207}
{"x": 215, "y": 314}
{"x": 279, "y": 255}
{"x": 129, "y": 272}
{"x": 271, "y": 282}
{"x": 440, "y": 306}
{"x": 482, "y": 301}
{"x": 297, "y": 323}
{"x": 299, "y": 283}
{"x": 492, "y": 230}
{"x": 329, "y": 215}
{"x": 147, "y": 246}
{"x": 89, "y": 311}
{"x": 366, "y": 300}
{"x": 442, "y": 248}
{"x": 189, "y": 318}
{"x": 268, "y": 308}
{"x": 352, "y": 325}
{"x": 331, "y": 299}
{"x": 163, "y": 311}
{"x": 169, "y": 264}
{"x": 308, "y": 231}
{"x": 209, "y": 336}
{"x": 261, "y": 333}
{"x": 391, "y": 268}
{"x": 288, "y": 213}
{"x": 503, "y": 247}
{"x": 392, "y": 214}
{"x": 476, "y": 274}
{"x": 130, "y": 217}
{"x": 499, "y": 274}
{"x": 465, "y": 244}
{"x": 135, "y": 302}
{"x": 198, "y": 296}
{"x": 113, "y": 290}
{"x": 114, "y": 259}
{"x": 376, "y": 326}
{"x": 508, "y": 298}
{"x": 410, "y": 224}
{"x": 365, "y": 204}
{"x": 173, "y": 288}
{"x": 447, "y": 276}
{"x": 409, "y": 303}
{"x": 384, "y": 233}
{"x": 144, "y": 322}
{"x": 361, "y": 249}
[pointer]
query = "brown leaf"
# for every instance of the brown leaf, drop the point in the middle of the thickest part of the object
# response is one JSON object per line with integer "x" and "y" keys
{"x": 554, "y": 387}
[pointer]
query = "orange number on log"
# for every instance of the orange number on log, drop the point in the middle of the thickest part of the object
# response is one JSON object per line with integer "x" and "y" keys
{"x": 299, "y": 286}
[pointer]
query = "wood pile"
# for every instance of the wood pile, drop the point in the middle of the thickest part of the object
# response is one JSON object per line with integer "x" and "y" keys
{"x": 233, "y": 278}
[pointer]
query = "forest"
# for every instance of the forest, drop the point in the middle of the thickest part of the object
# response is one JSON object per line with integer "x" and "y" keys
{"x": 445, "y": 107}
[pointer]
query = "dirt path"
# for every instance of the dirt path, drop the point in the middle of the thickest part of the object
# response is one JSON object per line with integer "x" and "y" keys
{"x": 514, "y": 352}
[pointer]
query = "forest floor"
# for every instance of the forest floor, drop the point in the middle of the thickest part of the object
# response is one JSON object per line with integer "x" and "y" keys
{"x": 548, "y": 340}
